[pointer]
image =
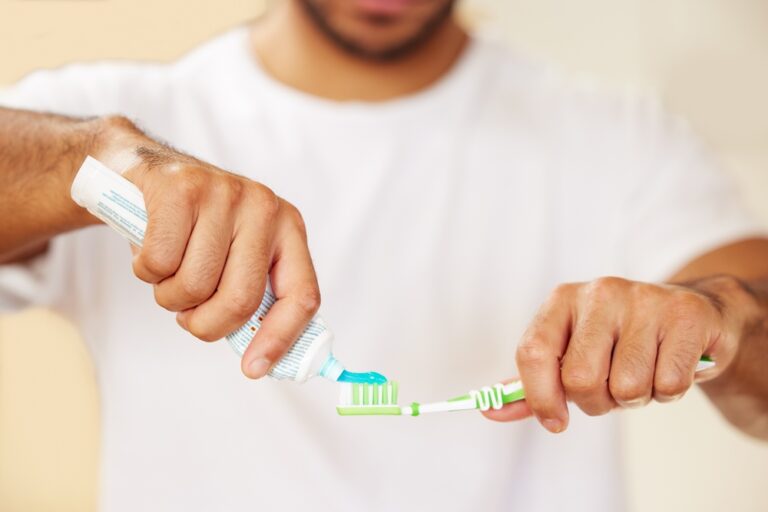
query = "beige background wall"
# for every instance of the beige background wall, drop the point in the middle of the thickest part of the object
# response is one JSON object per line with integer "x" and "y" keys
{"x": 708, "y": 59}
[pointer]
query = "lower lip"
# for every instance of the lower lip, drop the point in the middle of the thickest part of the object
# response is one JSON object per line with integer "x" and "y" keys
{"x": 383, "y": 7}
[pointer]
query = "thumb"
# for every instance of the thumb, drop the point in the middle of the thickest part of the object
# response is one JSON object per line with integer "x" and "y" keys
{"x": 510, "y": 412}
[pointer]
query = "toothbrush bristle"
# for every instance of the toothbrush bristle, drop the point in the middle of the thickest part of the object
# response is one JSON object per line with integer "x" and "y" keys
{"x": 368, "y": 399}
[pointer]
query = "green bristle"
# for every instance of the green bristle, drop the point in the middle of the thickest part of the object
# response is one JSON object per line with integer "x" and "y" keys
{"x": 365, "y": 400}
{"x": 356, "y": 388}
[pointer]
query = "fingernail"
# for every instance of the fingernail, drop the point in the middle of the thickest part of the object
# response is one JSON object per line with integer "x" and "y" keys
{"x": 258, "y": 368}
{"x": 553, "y": 425}
{"x": 666, "y": 399}
{"x": 633, "y": 404}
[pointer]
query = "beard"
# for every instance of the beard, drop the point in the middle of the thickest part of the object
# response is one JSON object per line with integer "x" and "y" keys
{"x": 393, "y": 52}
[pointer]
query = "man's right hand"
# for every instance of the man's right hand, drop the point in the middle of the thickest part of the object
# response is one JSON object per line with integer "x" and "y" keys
{"x": 211, "y": 241}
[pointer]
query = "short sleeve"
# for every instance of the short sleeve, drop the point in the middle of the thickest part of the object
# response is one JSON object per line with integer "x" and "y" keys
{"x": 82, "y": 90}
{"x": 682, "y": 205}
{"x": 38, "y": 281}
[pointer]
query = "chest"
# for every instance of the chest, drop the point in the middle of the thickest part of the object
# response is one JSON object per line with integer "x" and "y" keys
{"x": 426, "y": 239}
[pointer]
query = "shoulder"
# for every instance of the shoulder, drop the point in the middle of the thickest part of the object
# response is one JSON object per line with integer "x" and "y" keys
{"x": 571, "y": 100}
{"x": 217, "y": 62}
{"x": 125, "y": 86}
{"x": 77, "y": 89}
{"x": 585, "y": 119}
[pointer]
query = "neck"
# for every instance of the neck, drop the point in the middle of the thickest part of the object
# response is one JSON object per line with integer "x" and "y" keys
{"x": 295, "y": 52}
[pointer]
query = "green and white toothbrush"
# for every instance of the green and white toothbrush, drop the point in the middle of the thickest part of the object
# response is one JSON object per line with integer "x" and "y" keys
{"x": 381, "y": 399}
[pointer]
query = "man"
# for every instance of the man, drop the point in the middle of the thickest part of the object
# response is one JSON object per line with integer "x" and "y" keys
{"x": 447, "y": 188}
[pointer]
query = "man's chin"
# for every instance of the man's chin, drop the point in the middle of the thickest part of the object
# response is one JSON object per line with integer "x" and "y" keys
{"x": 377, "y": 50}
{"x": 373, "y": 24}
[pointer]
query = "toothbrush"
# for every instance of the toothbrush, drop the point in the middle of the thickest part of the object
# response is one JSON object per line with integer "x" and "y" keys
{"x": 381, "y": 399}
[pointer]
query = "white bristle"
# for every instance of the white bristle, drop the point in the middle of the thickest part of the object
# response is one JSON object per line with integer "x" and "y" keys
{"x": 367, "y": 395}
{"x": 345, "y": 394}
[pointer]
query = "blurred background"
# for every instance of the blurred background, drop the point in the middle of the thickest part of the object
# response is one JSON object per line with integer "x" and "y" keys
{"x": 707, "y": 59}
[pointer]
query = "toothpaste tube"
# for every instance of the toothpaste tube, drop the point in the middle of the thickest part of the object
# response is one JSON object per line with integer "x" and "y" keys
{"x": 120, "y": 205}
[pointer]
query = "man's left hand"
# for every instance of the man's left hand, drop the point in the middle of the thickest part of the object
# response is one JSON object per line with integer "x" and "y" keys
{"x": 615, "y": 343}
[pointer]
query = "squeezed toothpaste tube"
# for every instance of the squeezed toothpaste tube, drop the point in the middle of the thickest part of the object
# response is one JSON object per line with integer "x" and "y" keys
{"x": 120, "y": 204}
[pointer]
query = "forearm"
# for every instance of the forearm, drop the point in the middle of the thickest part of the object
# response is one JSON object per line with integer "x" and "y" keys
{"x": 741, "y": 391}
{"x": 39, "y": 155}
{"x": 736, "y": 277}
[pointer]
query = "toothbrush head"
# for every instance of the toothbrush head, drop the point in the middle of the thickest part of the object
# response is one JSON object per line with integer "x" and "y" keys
{"x": 368, "y": 400}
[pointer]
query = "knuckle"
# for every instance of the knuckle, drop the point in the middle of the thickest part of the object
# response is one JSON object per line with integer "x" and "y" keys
{"x": 598, "y": 409}
{"x": 296, "y": 218}
{"x": 644, "y": 293}
{"x": 187, "y": 185}
{"x": 688, "y": 306}
{"x": 228, "y": 189}
{"x": 138, "y": 268}
{"x": 221, "y": 189}
{"x": 606, "y": 287}
{"x": 242, "y": 303}
{"x": 156, "y": 262}
{"x": 625, "y": 388}
{"x": 194, "y": 288}
{"x": 162, "y": 299}
{"x": 264, "y": 200}
{"x": 201, "y": 328}
{"x": 669, "y": 386}
{"x": 308, "y": 300}
{"x": 204, "y": 334}
{"x": 672, "y": 380}
{"x": 581, "y": 380}
{"x": 531, "y": 352}
{"x": 562, "y": 292}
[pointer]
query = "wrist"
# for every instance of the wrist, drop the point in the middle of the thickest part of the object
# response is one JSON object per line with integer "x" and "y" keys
{"x": 114, "y": 142}
{"x": 740, "y": 391}
{"x": 743, "y": 310}
{"x": 733, "y": 297}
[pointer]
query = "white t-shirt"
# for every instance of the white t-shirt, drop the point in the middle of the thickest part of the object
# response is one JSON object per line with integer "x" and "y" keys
{"x": 438, "y": 223}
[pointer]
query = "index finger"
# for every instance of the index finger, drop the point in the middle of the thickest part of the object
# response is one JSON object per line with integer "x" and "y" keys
{"x": 538, "y": 359}
{"x": 298, "y": 298}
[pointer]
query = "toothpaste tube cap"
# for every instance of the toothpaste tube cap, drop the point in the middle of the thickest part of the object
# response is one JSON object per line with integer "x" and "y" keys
{"x": 332, "y": 368}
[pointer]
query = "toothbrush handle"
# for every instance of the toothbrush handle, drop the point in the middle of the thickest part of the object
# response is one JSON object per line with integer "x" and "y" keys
{"x": 492, "y": 397}
{"x": 512, "y": 392}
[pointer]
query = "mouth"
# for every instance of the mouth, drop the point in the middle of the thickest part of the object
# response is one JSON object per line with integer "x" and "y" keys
{"x": 382, "y": 8}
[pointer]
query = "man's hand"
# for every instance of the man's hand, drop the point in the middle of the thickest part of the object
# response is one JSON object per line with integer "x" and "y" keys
{"x": 211, "y": 241}
{"x": 617, "y": 343}
{"x": 212, "y": 238}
